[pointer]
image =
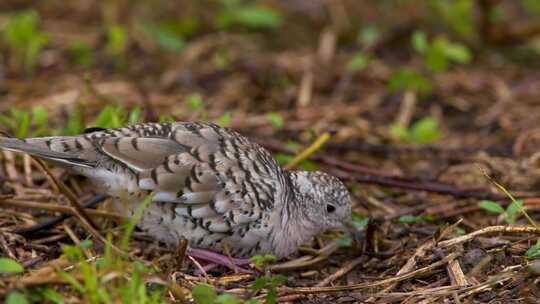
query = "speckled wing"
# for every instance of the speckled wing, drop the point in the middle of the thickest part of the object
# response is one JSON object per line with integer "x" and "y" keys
{"x": 214, "y": 177}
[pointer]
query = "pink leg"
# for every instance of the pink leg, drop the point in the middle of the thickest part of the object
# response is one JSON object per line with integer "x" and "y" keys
{"x": 219, "y": 259}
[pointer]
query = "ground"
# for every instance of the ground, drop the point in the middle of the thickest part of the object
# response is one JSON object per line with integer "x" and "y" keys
{"x": 427, "y": 110}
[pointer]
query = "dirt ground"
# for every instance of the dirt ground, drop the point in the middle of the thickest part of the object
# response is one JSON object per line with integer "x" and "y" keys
{"x": 432, "y": 109}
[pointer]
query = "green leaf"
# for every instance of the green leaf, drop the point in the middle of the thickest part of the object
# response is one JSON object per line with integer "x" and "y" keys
{"x": 164, "y": 37}
{"x": 491, "y": 206}
{"x": 117, "y": 39}
{"x": 344, "y": 241}
{"x": 15, "y": 297}
{"x": 224, "y": 120}
{"x": 261, "y": 260}
{"x": 292, "y": 145}
{"x": 40, "y": 116}
{"x": 532, "y": 6}
{"x": 420, "y": 42}
{"x": 275, "y": 119}
{"x": 133, "y": 220}
{"x": 253, "y": 16}
{"x": 10, "y": 266}
{"x": 424, "y": 131}
{"x": 53, "y": 296}
{"x": 409, "y": 219}
{"x": 458, "y": 53}
{"x": 195, "y": 102}
{"x": 436, "y": 59}
{"x": 368, "y": 36}
{"x": 282, "y": 158}
{"x": 358, "y": 62}
{"x": 400, "y": 132}
{"x": 359, "y": 221}
{"x": 259, "y": 283}
{"x": 86, "y": 244}
{"x": 533, "y": 251}
{"x": 460, "y": 231}
{"x": 271, "y": 296}
{"x": 457, "y": 14}
{"x": 135, "y": 116}
{"x": 204, "y": 294}
{"x": 278, "y": 279}
{"x": 512, "y": 210}
{"x": 407, "y": 79}
{"x": 24, "y": 39}
{"x": 75, "y": 123}
{"x": 80, "y": 53}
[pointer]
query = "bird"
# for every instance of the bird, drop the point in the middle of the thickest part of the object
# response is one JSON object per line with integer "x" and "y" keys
{"x": 208, "y": 184}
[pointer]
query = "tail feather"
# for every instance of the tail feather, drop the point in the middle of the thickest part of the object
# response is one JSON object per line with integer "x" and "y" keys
{"x": 40, "y": 147}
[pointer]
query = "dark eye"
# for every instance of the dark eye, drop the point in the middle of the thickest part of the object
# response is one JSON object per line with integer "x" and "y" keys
{"x": 330, "y": 208}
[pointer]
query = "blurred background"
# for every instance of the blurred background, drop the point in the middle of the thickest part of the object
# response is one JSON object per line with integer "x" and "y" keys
{"x": 367, "y": 69}
{"x": 459, "y": 75}
{"x": 415, "y": 94}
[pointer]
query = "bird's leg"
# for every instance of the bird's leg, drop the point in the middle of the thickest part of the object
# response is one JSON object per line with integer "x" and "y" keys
{"x": 219, "y": 259}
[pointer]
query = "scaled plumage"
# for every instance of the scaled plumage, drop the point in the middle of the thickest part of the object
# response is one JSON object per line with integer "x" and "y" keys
{"x": 210, "y": 185}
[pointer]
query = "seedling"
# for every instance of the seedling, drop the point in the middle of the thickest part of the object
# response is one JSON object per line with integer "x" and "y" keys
{"x": 165, "y": 37}
{"x": 534, "y": 251}
{"x": 359, "y": 222}
{"x": 117, "y": 43}
{"x": 358, "y": 62}
{"x": 25, "y": 40}
{"x": 409, "y": 80}
{"x": 275, "y": 119}
{"x": 23, "y": 123}
{"x": 424, "y": 131}
{"x": 440, "y": 52}
{"x": 510, "y": 213}
{"x": 81, "y": 54}
{"x": 250, "y": 16}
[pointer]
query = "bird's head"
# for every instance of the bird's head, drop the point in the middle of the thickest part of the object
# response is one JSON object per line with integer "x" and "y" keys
{"x": 324, "y": 198}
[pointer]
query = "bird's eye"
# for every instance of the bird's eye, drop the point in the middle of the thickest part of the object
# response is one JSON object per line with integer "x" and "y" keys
{"x": 330, "y": 208}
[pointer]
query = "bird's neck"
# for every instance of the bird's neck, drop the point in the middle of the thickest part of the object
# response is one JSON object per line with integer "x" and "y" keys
{"x": 294, "y": 225}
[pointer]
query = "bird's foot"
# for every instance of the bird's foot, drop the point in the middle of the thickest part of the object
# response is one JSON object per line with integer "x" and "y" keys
{"x": 216, "y": 259}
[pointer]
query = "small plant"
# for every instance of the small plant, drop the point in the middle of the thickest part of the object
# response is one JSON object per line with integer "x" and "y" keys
{"x": 23, "y": 123}
{"x": 368, "y": 36}
{"x": 510, "y": 213}
{"x": 275, "y": 119}
{"x": 424, "y": 131}
{"x": 224, "y": 119}
{"x": 409, "y": 80}
{"x": 534, "y": 251}
{"x": 458, "y": 15}
{"x": 116, "y": 116}
{"x": 75, "y": 124}
{"x": 16, "y": 297}
{"x": 440, "y": 52}
{"x": 117, "y": 44}
{"x": 24, "y": 40}
{"x": 195, "y": 103}
{"x": 165, "y": 37}
{"x": 88, "y": 278}
{"x": 205, "y": 294}
{"x": 81, "y": 54}
{"x": 358, "y": 62}
{"x": 250, "y": 16}
{"x": 8, "y": 265}
{"x": 411, "y": 219}
{"x": 267, "y": 282}
{"x": 359, "y": 222}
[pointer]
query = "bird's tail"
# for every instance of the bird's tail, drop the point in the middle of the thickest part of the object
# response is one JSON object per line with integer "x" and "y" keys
{"x": 55, "y": 149}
